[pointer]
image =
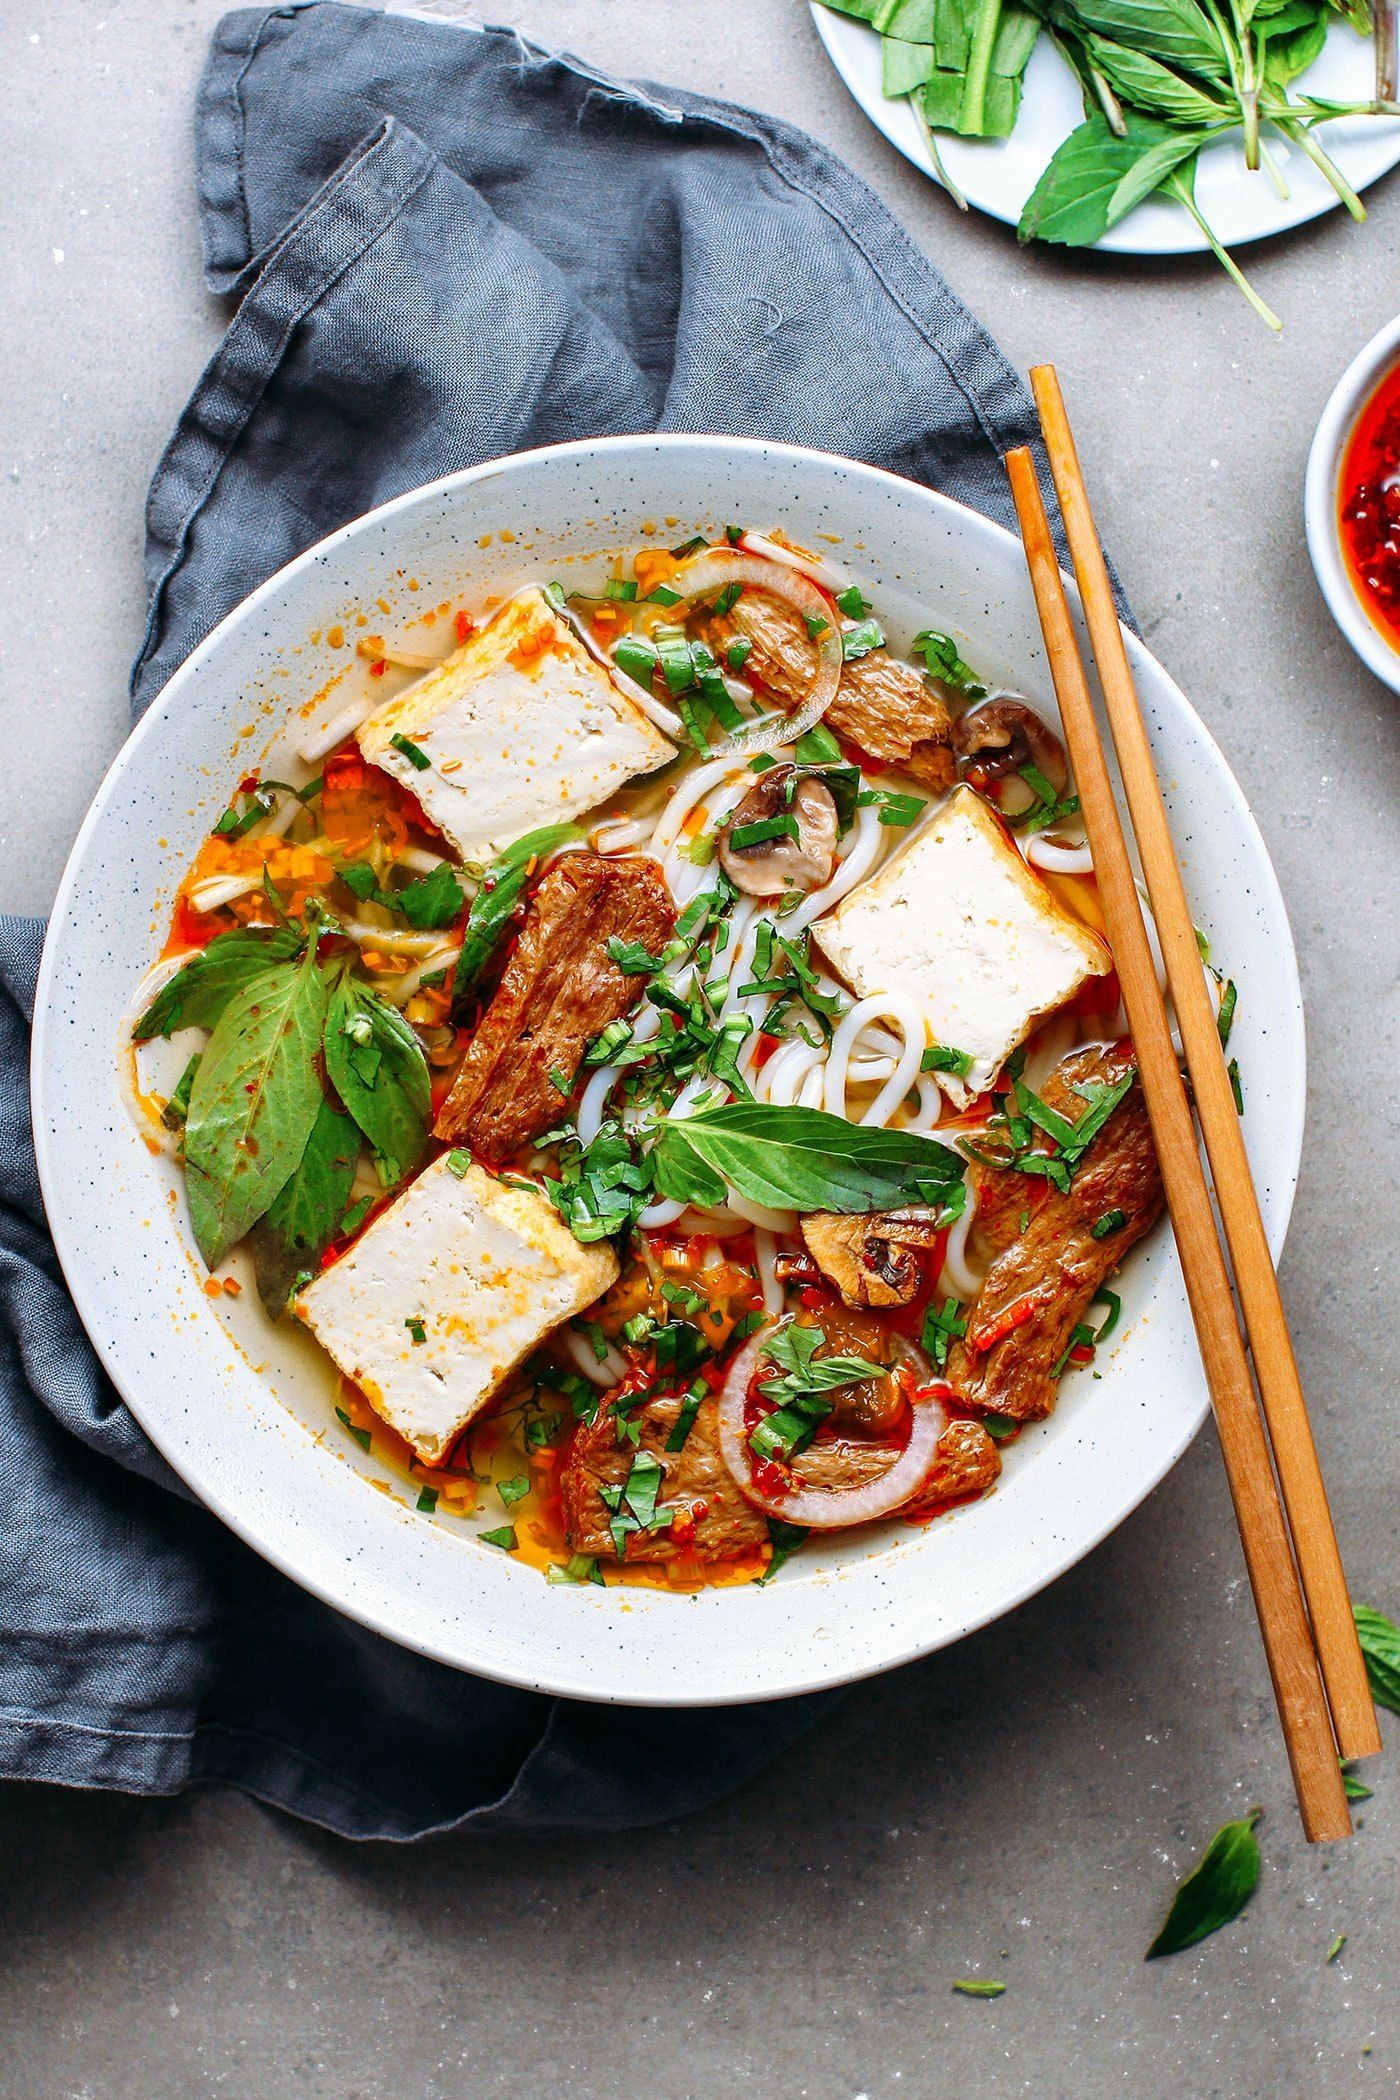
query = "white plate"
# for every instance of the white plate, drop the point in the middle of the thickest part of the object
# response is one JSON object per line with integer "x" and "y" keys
{"x": 245, "y": 1416}
{"x": 997, "y": 175}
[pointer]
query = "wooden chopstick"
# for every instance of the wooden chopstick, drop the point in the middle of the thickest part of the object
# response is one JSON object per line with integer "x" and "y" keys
{"x": 1298, "y": 1688}
{"x": 1285, "y": 1410}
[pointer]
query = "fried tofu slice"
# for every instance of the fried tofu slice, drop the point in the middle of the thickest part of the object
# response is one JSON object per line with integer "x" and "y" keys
{"x": 520, "y": 727}
{"x": 481, "y": 1272}
{"x": 956, "y": 920}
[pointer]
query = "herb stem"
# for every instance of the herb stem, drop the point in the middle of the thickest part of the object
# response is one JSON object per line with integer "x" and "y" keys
{"x": 1176, "y": 186}
{"x": 1301, "y": 135}
{"x": 916, "y": 103}
{"x": 972, "y": 116}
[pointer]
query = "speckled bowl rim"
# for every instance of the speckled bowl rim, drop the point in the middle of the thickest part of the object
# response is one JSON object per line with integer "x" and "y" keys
{"x": 830, "y": 1625}
{"x": 1321, "y": 493}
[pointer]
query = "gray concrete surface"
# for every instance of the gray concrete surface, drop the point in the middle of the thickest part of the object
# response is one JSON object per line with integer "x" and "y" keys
{"x": 1021, "y": 1806}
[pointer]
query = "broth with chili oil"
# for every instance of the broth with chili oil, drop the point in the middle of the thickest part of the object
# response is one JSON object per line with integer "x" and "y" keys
{"x": 662, "y": 1047}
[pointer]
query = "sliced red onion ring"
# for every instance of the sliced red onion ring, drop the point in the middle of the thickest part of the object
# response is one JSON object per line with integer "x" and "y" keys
{"x": 719, "y": 566}
{"x": 826, "y": 1509}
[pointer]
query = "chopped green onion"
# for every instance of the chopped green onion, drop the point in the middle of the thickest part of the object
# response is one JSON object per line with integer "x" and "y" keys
{"x": 427, "y": 1501}
{"x": 728, "y": 598}
{"x": 361, "y": 1436}
{"x": 758, "y": 834}
{"x": 458, "y": 1163}
{"x": 417, "y": 1330}
{"x": 1225, "y": 1019}
{"x": 419, "y": 760}
{"x": 621, "y": 591}
{"x": 941, "y": 1057}
{"x": 859, "y": 640}
{"x": 1111, "y": 1221}
{"x": 815, "y": 625}
{"x": 1235, "y": 1088}
{"x": 503, "y": 1536}
{"x": 738, "y": 652}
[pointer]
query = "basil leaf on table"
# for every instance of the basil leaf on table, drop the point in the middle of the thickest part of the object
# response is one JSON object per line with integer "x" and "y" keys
{"x": 254, "y": 1099}
{"x": 376, "y": 1065}
{"x": 493, "y": 904}
{"x": 1095, "y": 178}
{"x": 799, "y": 1159}
{"x": 1215, "y": 1891}
{"x": 1380, "y": 1644}
{"x": 196, "y": 995}
{"x": 306, "y": 1216}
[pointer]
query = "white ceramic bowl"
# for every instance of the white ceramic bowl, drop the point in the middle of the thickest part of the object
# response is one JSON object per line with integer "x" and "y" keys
{"x": 244, "y": 1414}
{"x": 1320, "y": 493}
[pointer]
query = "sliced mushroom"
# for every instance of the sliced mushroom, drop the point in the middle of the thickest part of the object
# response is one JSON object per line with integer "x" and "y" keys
{"x": 798, "y": 858}
{"x": 1005, "y": 735}
{"x": 873, "y": 1261}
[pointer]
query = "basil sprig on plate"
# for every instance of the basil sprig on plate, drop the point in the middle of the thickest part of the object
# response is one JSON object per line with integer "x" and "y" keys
{"x": 1380, "y": 1644}
{"x": 310, "y": 1210}
{"x": 799, "y": 1159}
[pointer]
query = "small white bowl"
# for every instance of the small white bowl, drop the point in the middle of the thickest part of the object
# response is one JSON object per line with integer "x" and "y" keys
{"x": 1320, "y": 503}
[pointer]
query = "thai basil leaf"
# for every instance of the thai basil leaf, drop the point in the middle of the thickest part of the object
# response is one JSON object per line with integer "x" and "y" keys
{"x": 197, "y": 995}
{"x": 1215, "y": 1891}
{"x": 1380, "y": 1644}
{"x": 255, "y": 1097}
{"x": 493, "y": 904}
{"x": 799, "y": 1159}
{"x": 1144, "y": 81}
{"x": 376, "y": 1065}
{"x": 307, "y": 1215}
{"x": 1095, "y": 178}
{"x": 1176, "y": 31}
{"x": 434, "y": 900}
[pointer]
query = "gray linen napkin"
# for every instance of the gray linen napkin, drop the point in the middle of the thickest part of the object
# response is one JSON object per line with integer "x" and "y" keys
{"x": 446, "y": 245}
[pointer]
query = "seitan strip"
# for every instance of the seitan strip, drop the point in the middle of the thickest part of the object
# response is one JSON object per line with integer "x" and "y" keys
{"x": 559, "y": 989}
{"x": 1042, "y": 1280}
{"x": 885, "y": 706}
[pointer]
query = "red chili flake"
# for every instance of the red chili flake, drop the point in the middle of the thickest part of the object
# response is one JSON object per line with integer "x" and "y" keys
{"x": 465, "y": 626}
{"x": 377, "y": 670}
{"x": 1006, "y": 1323}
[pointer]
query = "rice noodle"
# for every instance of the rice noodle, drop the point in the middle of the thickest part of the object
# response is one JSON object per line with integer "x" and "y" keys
{"x": 886, "y": 1005}
{"x": 401, "y": 989}
{"x": 321, "y": 742}
{"x": 957, "y": 1278}
{"x": 766, "y": 1253}
{"x": 1057, "y": 857}
{"x": 389, "y": 940}
{"x": 860, "y": 849}
{"x": 607, "y": 1373}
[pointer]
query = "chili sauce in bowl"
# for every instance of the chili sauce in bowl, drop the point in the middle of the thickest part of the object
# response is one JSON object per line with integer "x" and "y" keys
{"x": 1351, "y": 504}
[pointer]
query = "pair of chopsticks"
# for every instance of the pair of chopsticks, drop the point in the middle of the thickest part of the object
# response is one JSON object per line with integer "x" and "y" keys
{"x": 1290, "y": 1548}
